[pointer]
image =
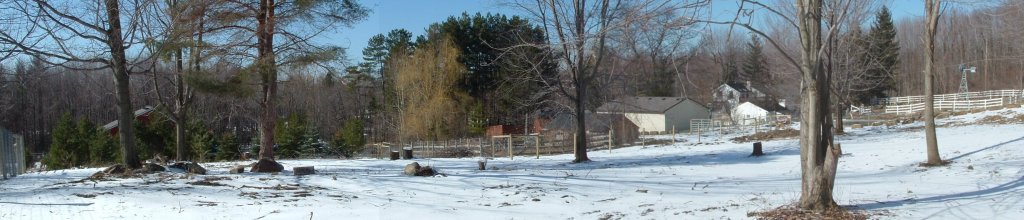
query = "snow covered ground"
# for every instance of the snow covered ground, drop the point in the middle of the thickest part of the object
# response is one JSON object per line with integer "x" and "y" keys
{"x": 711, "y": 180}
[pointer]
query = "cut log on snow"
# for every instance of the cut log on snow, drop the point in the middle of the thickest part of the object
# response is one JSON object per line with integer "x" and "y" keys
{"x": 758, "y": 151}
{"x": 115, "y": 169}
{"x": 426, "y": 171}
{"x": 237, "y": 169}
{"x": 189, "y": 167}
{"x": 150, "y": 168}
{"x": 394, "y": 155}
{"x": 299, "y": 171}
{"x": 412, "y": 168}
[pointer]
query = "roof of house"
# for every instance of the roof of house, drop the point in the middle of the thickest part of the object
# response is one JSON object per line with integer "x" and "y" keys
{"x": 595, "y": 122}
{"x": 769, "y": 106}
{"x": 741, "y": 87}
{"x": 139, "y": 112}
{"x": 642, "y": 104}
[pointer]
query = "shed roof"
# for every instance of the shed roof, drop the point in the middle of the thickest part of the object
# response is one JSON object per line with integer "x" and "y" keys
{"x": 642, "y": 104}
{"x": 139, "y": 112}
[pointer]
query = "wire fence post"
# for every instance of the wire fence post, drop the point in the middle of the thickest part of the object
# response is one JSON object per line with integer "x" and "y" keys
{"x": 610, "y": 131}
{"x": 538, "y": 146}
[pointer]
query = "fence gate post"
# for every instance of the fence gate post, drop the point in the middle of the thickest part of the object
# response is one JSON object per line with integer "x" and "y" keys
{"x": 673, "y": 135}
{"x": 538, "y": 146}
{"x": 510, "y": 147}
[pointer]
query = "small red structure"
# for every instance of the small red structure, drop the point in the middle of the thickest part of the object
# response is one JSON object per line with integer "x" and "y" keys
{"x": 496, "y": 130}
{"x": 140, "y": 115}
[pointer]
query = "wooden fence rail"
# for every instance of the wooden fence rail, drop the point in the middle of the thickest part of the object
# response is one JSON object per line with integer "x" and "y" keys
{"x": 1012, "y": 95}
{"x": 947, "y": 105}
{"x": 498, "y": 146}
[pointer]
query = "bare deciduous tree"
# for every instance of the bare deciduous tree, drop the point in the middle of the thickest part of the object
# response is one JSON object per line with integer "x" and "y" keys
{"x": 932, "y": 8}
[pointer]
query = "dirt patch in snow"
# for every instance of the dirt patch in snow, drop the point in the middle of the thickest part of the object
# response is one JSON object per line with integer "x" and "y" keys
{"x": 791, "y": 212}
{"x": 768, "y": 135}
{"x": 999, "y": 119}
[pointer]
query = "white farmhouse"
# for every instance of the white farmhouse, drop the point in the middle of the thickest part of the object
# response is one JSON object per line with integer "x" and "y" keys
{"x": 657, "y": 114}
{"x": 732, "y": 94}
{"x": 750, "y": 113}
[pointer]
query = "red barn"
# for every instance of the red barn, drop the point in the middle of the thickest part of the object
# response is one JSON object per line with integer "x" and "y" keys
{"x": 140, "y": 115}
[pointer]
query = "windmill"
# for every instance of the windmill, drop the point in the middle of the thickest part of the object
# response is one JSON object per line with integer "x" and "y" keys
{"x": 963, "y": 96}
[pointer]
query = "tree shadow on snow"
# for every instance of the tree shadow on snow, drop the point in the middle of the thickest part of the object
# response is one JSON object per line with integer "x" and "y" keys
{"x": 986, "y": 148}
{"x": 1009, "y": 190}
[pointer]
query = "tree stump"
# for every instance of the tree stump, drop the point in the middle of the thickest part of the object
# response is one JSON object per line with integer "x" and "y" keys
{"x": 482, "y": 164}
{"x": 407, "y": 153}
{"x": 299, "y": 171}
{"x": 757, "y": 150}
{"x": 394, "y": 155}
{"x": 266, "y": 165}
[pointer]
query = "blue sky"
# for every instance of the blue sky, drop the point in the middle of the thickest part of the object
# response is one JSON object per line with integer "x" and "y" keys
{"x": 411, "y": 15}
{"x": 416, "y": 15}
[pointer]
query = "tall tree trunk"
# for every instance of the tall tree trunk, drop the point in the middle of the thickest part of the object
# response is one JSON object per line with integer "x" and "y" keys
{"x": 817, "y": 158}
{"x": 932, "y": 8}
{"x": 581, "y": 124}
{"x": 840, "y": 111}
{"x": 180, "y": 120}
{"x": 268, "y": 72}
{"x": 119, "y": 65}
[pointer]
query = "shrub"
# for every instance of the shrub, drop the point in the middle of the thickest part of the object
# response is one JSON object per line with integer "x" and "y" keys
{"x": 294, "y": 137}
{"x": 201, "y": 141}
{"x": 349, "y": 140}
{"x": 60, "y": 155}
{"x": 228, "y": 148}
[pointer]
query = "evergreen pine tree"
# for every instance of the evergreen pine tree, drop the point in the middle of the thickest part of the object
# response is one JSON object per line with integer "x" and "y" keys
{"x": 349, "y": 140}
{"x": 103, "y": 149}
{"x": 60, "y": 155}
{"x": 85, "y": 132}
{"x": 755, "y": 65}
{"x": 310, "y": 144}
{"x": 201, "y": 141}
{"x": 227, "y": 148}
{"x": 882, "y": 56}
{"x": 290, "y": 135}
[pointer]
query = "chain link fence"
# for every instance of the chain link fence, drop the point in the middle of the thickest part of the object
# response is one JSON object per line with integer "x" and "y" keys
{"x": 12, "y": 154}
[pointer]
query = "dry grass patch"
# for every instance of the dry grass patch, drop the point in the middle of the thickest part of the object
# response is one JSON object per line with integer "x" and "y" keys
{"x": 793, "y": 213}
{"x": 768, "y": 135}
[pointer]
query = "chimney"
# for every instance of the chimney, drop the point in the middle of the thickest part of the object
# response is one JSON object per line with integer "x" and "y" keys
{"x": 782, "y": 102}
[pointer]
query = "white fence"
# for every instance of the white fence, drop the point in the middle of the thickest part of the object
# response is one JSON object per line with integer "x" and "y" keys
{"x": 1013, "y": 96}
{"x": 700, "y": 125}
{"x": 947, "y": 104}
{"x": 12, "y": 154}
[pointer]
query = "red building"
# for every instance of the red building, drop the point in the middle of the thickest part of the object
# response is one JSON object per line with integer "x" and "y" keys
{"x": 140, "y": 115}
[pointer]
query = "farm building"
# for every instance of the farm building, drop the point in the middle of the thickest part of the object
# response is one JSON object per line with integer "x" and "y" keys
{"x": 750, "y": 113}
{"x": 657, "y": 114}
{"x": 733, "y": 94}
